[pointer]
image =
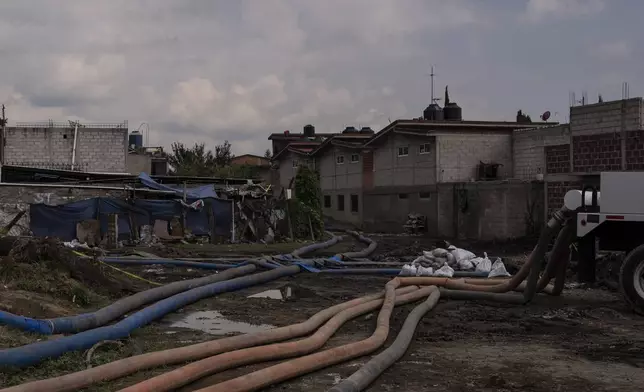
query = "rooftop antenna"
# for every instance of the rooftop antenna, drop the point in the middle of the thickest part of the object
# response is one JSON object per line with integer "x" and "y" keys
{"x": 625, "y": 92}
{"x": 431, "y": 78}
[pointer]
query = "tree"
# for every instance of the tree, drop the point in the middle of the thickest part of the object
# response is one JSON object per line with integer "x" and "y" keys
{"x": 446, "y": 100}
{"x": 268, "y": 154}
{"x": 223, "y": 154}
{"x": 191, "y": 161}
{"x": 523, "y": 118}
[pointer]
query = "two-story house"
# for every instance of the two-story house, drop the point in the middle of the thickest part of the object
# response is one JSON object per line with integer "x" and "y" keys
{"x": 339, "y": 160}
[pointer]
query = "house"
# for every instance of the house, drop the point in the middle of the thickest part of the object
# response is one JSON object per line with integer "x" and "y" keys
{"x": 251, "y": 160}
{"x": 286, "y": 162}
{"x": 261, "y": 164}
{"x": 151, "y": 160}
{"x": 280, "y": 141}
{"x": 339, "y": 161}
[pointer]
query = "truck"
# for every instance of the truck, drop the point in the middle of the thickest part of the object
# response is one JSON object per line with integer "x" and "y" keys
{"x": 610, "y": 217}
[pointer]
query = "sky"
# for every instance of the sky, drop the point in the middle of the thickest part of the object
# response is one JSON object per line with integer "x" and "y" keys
{"x": 238, "y": 70}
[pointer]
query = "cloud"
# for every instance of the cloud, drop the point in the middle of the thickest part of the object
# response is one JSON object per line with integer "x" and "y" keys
{"x": 616, "y": 50}
{"x": 539, "y": 10}
{"x": 211, "y": 70}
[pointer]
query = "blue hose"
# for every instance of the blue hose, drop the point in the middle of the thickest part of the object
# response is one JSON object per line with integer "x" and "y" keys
{"x": 85, "y": 321}
{"x": 178, "y": 263}
{"x": 36, "y": 352}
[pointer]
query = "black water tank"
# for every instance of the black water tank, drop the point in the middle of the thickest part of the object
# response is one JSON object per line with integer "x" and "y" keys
{"x": 366, "y": 130}
{"x": 350, "y": 130}
{"x": 452, "y": 112}
{"x": 433, "y": 113}
{"x": 309, "y": 130}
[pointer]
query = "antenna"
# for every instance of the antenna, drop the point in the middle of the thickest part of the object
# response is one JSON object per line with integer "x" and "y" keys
{"x": 431, "y": 78}
{"x": 625, "y": 92}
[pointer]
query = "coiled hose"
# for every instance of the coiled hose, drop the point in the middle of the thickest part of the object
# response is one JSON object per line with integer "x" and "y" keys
{"x": 359, "y": 380}
{"x": 117, "y": 309}
{"x": 302, "y": 365}
{"x": 33, "y": 353}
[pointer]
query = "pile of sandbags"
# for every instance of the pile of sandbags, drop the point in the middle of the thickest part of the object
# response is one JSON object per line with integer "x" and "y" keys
{"x": 444, "y": 262}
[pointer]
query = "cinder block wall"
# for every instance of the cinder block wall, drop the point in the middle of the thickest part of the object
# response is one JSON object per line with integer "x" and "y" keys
{"x": 460, "y": 155}
{"x": 97, "y": 149}
{"x": 529, "y": 148}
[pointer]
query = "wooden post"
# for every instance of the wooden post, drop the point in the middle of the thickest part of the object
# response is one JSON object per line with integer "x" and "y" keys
{"x": 184, "y": 223}
{"x": 211, "y": 220}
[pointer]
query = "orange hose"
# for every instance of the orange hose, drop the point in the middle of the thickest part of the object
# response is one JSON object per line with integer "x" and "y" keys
{"x": 196, "y": 370}
{"x": 289, "y": 369}
{"x": 123, "y": 367}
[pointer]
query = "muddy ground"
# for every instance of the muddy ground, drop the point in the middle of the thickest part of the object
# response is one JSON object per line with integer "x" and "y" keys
{"x": 586, "y": 340}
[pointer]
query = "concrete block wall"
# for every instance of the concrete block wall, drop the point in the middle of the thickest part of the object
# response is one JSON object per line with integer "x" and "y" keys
{"x": 460, "y": 154}
{"x": 606, "y": 117}
{"x": 97, "y": 149}
{"x": 634, "y": 150}
{"x": 557, "y": 158}
{"x": 336, "y": 176}
{"x": 386, "y": 208}
{"x": 415, "y": 169}
{"x": 529, "y": 149}
{"x": 597, "y": 152}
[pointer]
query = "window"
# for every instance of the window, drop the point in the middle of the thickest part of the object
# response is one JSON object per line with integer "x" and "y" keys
{"x": 354, "y": 203}
{"x": 296, "y": 163}
{"x": 340, "y": 202}
{"x": 403, "y": 151}
{"x": 355, "y": 158}
{"x": 425, "y": 148}
{"x": 403, "y": 196}
{"x": 339, "y": 159}
{"x": 327, "y": 201}
{"x": 424, "y": 195}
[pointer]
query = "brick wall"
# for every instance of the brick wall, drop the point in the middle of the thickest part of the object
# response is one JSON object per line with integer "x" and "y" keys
{"x": 597, "y": 152}
{"x": 528, "y": 149}
{"x": 460, "y": 154}
{"x": 97, "y": 149}
{"x": 635, "y": 150}
{"x": 557, "y": 159}
{"x": 555, "y": 192}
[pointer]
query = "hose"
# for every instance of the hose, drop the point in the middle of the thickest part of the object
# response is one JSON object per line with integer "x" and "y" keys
{"x": 204, "y": 367}
{"x": 178, "y": 263}
{"x": 317, "y": 246}
{"x": 111, "y": 312}
{"x": 302, "y": 365}
{"x": 36, "y": 352}
{"x": 359, "y": 380}
{"x": 372, "y": 245}
{"x": 123, "y": 367}
{"x": 529, "y": 270}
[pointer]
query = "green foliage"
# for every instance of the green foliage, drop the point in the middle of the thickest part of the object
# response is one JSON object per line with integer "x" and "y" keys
{"x": 197, "y": 161}
{"x": 307, "y": 203}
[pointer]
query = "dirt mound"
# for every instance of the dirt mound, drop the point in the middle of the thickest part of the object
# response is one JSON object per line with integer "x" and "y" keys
{"x": 47, "y": 266}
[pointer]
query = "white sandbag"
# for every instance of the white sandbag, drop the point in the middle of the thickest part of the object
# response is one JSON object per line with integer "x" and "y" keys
{"x": 485, "y": 265}
{"x": 462, "y": 254}
{"x": 444, "y": 271}
{"x": 440, "y": 252}
{"x": 408, "y": 270}
{"x": 419, "y": 259}
{"x": 451, "y": 248}
{"x": 422, "y": 271}
{"x": 476, "y": 261}
{"x": 498, "y": 269}
{"x": 428, "y": 255}
{"x": 465, "y": 265}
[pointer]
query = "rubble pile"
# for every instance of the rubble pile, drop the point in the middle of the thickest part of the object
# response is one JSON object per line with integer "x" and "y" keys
{"x": 445, "y": 261}
{"x": 415, "y": 223}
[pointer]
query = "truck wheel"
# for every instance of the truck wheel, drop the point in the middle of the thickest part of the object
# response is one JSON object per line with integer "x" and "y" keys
{"x": 631, "y": 279}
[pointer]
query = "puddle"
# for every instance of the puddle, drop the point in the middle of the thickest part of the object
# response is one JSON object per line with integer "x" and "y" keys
{"x": 215, "y": 323}
{"x": 286, "y": 292}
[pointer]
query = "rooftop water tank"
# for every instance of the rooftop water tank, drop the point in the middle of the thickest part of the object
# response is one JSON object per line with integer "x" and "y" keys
{"x": 350, "y": 130}
{"x": 135, "y": 140}
{"x": 366, "y": 130}
{"x": 309, "y": 130}
{"x": 452, "y": 112}
{"x": 433, "y": 113}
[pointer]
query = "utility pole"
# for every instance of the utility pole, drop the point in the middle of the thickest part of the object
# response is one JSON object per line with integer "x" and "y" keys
{"x": 3, "y": 123}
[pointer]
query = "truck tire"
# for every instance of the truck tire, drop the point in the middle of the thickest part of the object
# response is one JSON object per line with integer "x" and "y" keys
{"x": 631, "y": 279}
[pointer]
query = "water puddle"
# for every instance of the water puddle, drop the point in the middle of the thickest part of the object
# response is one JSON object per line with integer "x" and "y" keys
{"x": 283, "y": 293}
{"x": 215, "y": 323}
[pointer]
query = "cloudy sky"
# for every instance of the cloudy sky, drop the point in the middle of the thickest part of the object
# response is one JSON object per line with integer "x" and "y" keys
{"x": 210, "y": 70}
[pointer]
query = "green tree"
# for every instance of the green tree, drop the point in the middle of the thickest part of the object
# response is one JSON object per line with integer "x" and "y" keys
{"x": 307, "y": 203}
{"x": 268, "y": 154}
{"x": 191, "y": 161}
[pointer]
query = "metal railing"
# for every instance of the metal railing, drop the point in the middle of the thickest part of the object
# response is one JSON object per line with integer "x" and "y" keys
{"x": 78, "y": 167}
{"x": 71, "y": 124}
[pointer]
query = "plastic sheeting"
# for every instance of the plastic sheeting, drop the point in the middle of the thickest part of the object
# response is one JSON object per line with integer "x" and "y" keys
{"x": 60, "y": 221}
{"x": 202, "y": 192}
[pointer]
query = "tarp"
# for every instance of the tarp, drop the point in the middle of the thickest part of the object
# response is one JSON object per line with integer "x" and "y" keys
{"x": 201, "y": 192}
{"x": 60, "y": 221}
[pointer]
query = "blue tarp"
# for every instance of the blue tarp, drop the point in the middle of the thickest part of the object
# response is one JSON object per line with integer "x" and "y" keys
{"x": 60, "y": 221}
{"x": 201, "y": 192}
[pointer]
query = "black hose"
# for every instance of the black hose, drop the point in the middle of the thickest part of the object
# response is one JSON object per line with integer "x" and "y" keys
{"x": 318, "y": 245}
{"x": 378, "y": 364}
{"x": 372, "y": 245}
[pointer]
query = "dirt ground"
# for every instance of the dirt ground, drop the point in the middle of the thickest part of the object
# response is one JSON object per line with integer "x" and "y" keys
{"x": 585, "y": 340}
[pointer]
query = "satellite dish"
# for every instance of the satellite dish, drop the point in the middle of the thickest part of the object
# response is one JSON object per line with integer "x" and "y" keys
{"x": 546, "y": 115}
